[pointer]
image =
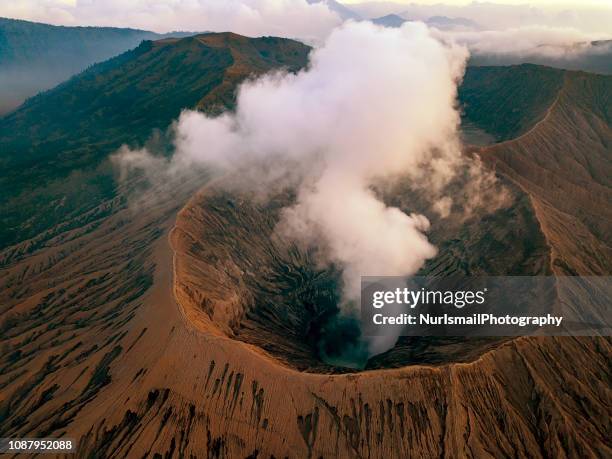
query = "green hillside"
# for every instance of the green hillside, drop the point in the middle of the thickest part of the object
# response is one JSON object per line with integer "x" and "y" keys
{"x": 55, "y": 148}
{"x": 508, "y": 101}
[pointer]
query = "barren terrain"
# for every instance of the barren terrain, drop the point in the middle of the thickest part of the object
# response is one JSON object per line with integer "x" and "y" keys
{"x": 163, "y": 328}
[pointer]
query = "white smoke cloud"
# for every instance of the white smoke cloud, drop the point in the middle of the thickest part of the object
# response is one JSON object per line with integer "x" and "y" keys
{"x": 374, "y": 103}
{"x": 287, "y": 18}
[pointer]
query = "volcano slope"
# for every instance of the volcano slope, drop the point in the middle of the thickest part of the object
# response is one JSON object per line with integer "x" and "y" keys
{"x": 564, "y": 163}
{"x": 57, "y": 160}
{"x": 105, "y": 342}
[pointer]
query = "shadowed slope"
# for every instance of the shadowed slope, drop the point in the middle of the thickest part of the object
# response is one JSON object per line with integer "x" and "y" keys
{"x": 35, "y": 56}
{"x": 507, "y": 101}
{"x": 239, "y": 279}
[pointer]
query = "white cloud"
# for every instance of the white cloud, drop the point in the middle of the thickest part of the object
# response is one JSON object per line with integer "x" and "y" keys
{"x": 522, "y": 41}
{"x": 492, "y": 15}
{"x": 288, "y": 18}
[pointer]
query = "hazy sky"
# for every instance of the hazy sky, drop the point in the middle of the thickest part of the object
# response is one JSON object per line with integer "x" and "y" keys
{"x": 565, "y": 3}
{"x": 306, "y": 19}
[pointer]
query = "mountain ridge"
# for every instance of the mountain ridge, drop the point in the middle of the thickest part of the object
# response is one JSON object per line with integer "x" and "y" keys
{"x": 120, "y": 101}
{"x": 571, "y": 190}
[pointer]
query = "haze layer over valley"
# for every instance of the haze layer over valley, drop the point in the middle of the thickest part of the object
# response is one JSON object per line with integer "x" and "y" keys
{"x": 35, "y": 57}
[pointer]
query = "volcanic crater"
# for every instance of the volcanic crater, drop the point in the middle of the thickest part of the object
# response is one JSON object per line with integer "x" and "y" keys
{"x": 239, "y": 278}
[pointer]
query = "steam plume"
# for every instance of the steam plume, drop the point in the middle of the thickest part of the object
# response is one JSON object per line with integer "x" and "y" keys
{"x": 374, "y": 103}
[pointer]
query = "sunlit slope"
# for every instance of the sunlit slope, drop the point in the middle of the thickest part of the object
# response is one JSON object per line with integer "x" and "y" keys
{"x": 55, "y": 148}
{"x": 564, "y": 162}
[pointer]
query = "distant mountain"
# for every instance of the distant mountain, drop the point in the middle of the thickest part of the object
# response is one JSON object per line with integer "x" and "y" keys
{"x": 440, "y": 22}
{"x": 390, "y": 20}
{"x": 445, "y": 22}
{"x": 35, "y": 57}
{"x": 79, "y": 123}
{"x": 341, "y": 10}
